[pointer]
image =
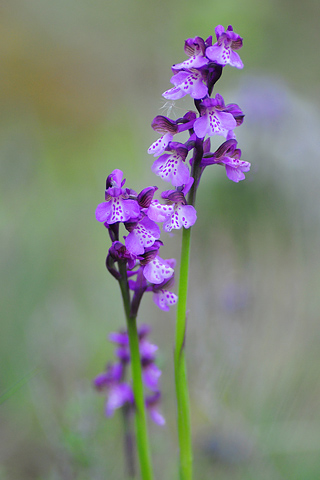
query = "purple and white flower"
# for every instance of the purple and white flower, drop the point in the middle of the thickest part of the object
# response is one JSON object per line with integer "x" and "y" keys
{"x": 195, "y": 48}
{"x": 142, "y": 235}
{"x": 171, "y": 166}
{"x": 118, "y": 206}
{"x": 227, "y": 154}
{"x": 217, "y": 118}
{"x": 223, "y": 51}
{"x": 187, "y": 82}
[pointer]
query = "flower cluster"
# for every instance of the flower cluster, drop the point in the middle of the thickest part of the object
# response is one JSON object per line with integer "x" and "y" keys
{"x": 113, "y": 381}
{"x": 197, "y": 77}
{"x": 140, "y": 215}
{"x": 135, "y": 260}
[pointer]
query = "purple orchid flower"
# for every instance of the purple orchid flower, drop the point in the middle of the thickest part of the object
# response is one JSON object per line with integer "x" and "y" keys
{"x": 187, "y": 82}
{"x": 223, "y": 51}
{"x": 195, "y": 48}
{"x": 171, "y": 166}
{"x": 167, "y": 128}
{"x": 162, "y": 297}
{"x": 118, "y": 392}
{"x": 118, "y": 207}
{"x": 217, "y": 118}
{"x": 176, "y": 213}
{"x": 142, "y": 234}
{"x": 157, "y": 270}
{"x": 227, "y": 154}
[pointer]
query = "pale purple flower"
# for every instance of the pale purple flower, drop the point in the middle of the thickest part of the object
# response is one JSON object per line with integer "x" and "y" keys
{"x": 216, "y": 117}
{"x": 171, "y": 166}
{"x": 152, "y": 404}
{"x": 159, "y": 212}
{"x": 164, "y": 299}
{"x": 223, "y": 51}
{"x": 118, "y": 207}
{"x": 187, "y": 82}
{"x": 118, "y": 392}
{"x": 167, "y": 128}
{"x": 150, "y": 375}
{"x": 160, "y": 145}
{"x": 142, "y": 234}
{"x": 176, "y": 214}
{"x": 157, "y": 270}
{"x": 195, "y": 49}
{"x": 227, "y": 154}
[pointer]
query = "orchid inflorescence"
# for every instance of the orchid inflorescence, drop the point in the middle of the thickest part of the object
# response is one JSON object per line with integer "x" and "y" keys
{"x": 135, "y": 261}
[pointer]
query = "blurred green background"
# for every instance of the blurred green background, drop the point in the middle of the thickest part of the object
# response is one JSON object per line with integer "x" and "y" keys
{"x": 80, "y": 83}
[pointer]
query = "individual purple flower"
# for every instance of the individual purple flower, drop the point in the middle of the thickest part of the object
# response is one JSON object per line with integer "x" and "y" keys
{"x": 118, "y": 251}
{"x": 167, "y": 128}
{"x": 157, "y": 270}
{"x": 150, "y": 375}
{"x": 162, "y": 297}
{"x": 180, "y": 215}
{"x": 118, "y": 207}
{"x": 216, "y": 117}
{"x": 118, "y": 392}
{"x": 195, "y": 48}
{"x": 223, "y": 51}
{"x": 159, "y": 212}
{"x": 142, "y": 234}
{"x": 227, "y": 154}
{"x": 152, "y": 404}
{"x": 187, "y": 82}
{"x": 171, "y": 166}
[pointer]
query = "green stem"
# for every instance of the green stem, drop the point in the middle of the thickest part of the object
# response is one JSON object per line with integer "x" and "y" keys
{"x": 184, "y": 428}
{"x": 140, "y": 411}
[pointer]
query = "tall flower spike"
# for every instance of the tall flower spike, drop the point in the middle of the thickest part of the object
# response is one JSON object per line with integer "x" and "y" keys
{"x": 223, "y": 51}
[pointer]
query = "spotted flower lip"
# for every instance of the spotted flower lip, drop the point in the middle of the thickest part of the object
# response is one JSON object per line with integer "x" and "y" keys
{"x": 187, "y": 82}
{"x": 195, "y": 49}
{"x": 142, "y": 234}
{"x": 157, "y": 270}
{"x": 117, "y": 207}
{"x": 227, "y": 154}
{"x": 223, "y": 51}
{"x": 171, "y": 166}
{"x": 216, "y": 117}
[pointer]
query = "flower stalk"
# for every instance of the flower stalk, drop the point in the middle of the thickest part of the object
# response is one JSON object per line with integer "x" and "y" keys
{"x": 181, "y": 381}
{"x": 137, "y": 385}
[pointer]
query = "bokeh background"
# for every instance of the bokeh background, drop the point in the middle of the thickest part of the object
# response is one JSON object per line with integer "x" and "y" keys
{"x": 80, "y": 82}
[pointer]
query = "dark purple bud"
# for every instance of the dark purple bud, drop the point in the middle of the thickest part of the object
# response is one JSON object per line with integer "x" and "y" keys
{"x": 145, "y": 196}
{"x": 194, "y": 46}
{"x": 164, "y": 125}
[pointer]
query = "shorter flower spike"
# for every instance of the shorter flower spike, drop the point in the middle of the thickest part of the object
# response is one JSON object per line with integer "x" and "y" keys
{"x": 112, "y": 381}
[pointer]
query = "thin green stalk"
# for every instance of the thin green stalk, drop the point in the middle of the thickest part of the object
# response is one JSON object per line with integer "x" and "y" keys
{"x": 140, "y": 411}
{"x": 184, "y": 428}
